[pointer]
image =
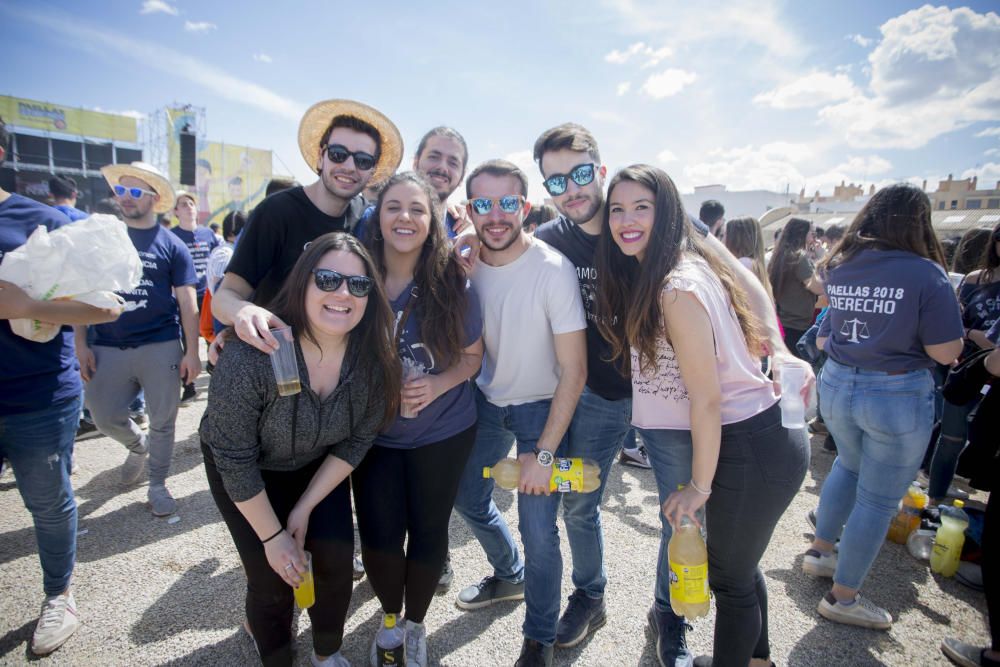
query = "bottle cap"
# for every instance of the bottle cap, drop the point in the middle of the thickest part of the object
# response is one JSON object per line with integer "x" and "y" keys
{"x": 390, "y": 621}
{"x": 959, "y": 504}
{"x": 487, "y": 473}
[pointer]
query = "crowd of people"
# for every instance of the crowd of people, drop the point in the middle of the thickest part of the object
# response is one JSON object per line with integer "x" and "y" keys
{"x": 431, "y": 338}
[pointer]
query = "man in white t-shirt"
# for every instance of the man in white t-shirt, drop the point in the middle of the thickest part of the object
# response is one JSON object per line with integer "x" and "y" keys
{"x": 533, "y": 372}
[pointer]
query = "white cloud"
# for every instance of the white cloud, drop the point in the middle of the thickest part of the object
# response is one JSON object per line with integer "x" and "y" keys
{"x": 262, "y": 58}
{"x": 154, "y": 56}
{"x": 861, "y": 40}
{"x": 668, "y": 82}
{"x": 199, "y": 26}
{"x": 856, "y": 169}
{"x": 988, "y": 175}
{"x": 989, "y": 132}
{"x": 609, "y": 117}
{"x": 623, "y": 88}
{"x": 665, "y": 156}
{"x": 992, "y": 152}
{"x": 157, "y": 6}
{"x": 812, "y": 90}
{"x": 936, "y": 70}
{"x": 524, "y": 160}
{"x": 650, "y": 57}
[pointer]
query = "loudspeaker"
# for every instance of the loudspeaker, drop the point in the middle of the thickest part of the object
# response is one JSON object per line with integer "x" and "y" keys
{"x": 187, "y": 141}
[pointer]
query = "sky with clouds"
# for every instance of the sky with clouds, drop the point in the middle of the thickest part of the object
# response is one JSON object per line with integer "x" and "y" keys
{"x": 752, "y": 94}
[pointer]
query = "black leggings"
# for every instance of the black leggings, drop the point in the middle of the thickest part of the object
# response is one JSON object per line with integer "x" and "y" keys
{"x": 761, "y": 466}
{"x": 991, "y": 559}
{"x": 403, "y": 493}
{"x": 330, "y": 539}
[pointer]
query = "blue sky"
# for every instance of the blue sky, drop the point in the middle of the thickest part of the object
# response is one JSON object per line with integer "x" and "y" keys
{"x": 750, "y": 94}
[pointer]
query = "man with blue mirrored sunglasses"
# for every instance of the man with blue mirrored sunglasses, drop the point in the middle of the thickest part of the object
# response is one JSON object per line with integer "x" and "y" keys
{"x": 526, "y": 393}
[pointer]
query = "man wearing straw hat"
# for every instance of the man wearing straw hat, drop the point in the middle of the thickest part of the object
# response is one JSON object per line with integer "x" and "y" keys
{"x": 143, "y": 348}
{"x": 348, "y": 144}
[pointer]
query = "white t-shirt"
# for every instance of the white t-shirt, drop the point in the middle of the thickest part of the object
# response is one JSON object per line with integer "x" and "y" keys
{"x": 525, "y": 303}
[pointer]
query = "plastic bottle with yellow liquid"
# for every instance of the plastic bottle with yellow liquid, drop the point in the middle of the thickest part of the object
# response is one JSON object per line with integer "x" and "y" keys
{"x": 949, "y": 540}
{"x": 907, "y": 519}
{"x": 568, "y": 475}
{"x": 688, "y": 570}
{"x": 305, "y": 593}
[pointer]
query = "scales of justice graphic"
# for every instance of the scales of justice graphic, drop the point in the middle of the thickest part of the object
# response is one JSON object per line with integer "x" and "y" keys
{"x": 856, "y": 330}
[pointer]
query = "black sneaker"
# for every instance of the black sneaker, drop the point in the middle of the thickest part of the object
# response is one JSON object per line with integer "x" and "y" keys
{"x": 671, "y": 644}
{"x": 86, "y": 430}
{"x": 188, "y": 395}
{"x": 489, "y": 591}
{"x": 534, "y": 654}
{"x": 828, "y": 444}
{"x": 447, "y": 574}
{"x": 583, "y": 615}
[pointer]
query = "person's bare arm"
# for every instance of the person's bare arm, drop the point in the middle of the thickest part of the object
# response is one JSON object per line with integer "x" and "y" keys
{"x": 945, "y": 353}
{"x": 762, "y": 307}
{"x": 231, "y": 306}
{"x": 15, "y": 304}
{"x": 188, "y": 306}
{"x": 420, "y": 393}
{"x": 571, "y": 355}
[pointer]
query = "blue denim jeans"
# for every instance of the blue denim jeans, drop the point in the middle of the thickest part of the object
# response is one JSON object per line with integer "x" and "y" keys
{"x": 669, "y": 453}
{"x": 541, "y": 569}
{"x": 951, "y": 442}
{"x": 881, "y": 424}
{"x": 598, "y": 428}
{"x": 39, "y": 446}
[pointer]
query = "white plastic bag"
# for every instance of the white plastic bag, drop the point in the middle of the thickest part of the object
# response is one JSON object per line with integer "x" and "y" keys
{"x": 86, "y": 261}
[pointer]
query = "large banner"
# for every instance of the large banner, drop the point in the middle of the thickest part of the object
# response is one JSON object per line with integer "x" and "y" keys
{"x": 230, "y": 178}
{"x": 67, "y": 120}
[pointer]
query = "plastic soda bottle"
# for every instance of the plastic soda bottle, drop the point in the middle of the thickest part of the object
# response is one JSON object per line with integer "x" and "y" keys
{"x": 568, "y": 475}
{"x": 305, "y": 593}
{"x": 688, "y": 571}
{"x": 949, "y": 539}
{"x": 390, "y": 645}
{"x": 907, "y": 519}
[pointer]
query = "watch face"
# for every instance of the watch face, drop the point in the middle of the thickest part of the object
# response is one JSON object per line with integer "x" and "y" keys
{"x": 544, "y": 457}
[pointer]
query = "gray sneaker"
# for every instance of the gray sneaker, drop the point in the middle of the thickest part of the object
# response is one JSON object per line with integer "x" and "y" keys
{"x": 161, "y": 502}
{"x": 57, "y": 623}
{"x": 444, "y": 581}
{"x": 489, "y": 591}
{"x": 963, "y": 654}
{"x": 583, "y": 615}
{"x": 359, "y": 568}
{"x": 134, "y": 466}
{"x": 862, "y": 612}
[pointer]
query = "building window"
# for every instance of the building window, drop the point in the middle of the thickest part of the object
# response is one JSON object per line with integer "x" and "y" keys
{"x": 954, "y": 204}
{"x": 973, "y": 203}
{"x": 993, "y": 203}
{"x": 940, "y": 205}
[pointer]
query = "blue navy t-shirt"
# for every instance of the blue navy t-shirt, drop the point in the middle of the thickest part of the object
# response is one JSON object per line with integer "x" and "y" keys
{"x": 980, "y": 305}
{"x": 200, "y": 243}
{"x": 70, "y": 212}
{"x": 452, "y": 412}
{"x": 151, "y": 314}
{"x": 885, "y": 306}
{"x": 33, "y": 376}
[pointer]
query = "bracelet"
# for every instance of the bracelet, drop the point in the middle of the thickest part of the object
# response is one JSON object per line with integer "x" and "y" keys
{"x": 699, "y": 489}
{"x": 280, "y": 531}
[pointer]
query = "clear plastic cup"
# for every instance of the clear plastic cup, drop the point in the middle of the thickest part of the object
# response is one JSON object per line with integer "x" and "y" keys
{"x": 411, "y": 371}
{"x": 305, "y": 593}
{"x": 286, "y": 369}
{"x": 793, "y": 408}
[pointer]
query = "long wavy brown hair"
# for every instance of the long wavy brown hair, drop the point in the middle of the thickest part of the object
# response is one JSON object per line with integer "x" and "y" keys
{"x": 897, "y": 217}
{"x": 628, "y": 294}
{"x": 372, "y": 335}
{"x": 787, "y": 253}
{"x": 744, "y": 238}
{"x": 440, "y": 281}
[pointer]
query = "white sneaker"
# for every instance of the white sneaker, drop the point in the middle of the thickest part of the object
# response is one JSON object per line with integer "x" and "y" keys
{"x": 862, "y": 612}
{"x": 335, "y": 660}
{"x": 57, "y": 623}
{"x": 416, "y": 644}
{"x": 819, "y": 565}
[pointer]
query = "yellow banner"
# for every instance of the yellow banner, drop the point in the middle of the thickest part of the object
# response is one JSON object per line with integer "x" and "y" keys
{"x": 67, "y": 120}
{"x": 230, "y": 178}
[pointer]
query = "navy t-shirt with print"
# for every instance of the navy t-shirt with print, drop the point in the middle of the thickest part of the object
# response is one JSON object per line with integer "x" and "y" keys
{"x": 200, "y": 243}
{"x": 151, "y": 314}
{"x": 885, "y": 306}
{"x": 452, "y": 412}
{"x": 980, "y": 305}
{"x": 33, "y": 376}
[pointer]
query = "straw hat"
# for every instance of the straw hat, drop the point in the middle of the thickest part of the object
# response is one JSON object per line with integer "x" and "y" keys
{"x": 157, "y": 182}
{"x": 320, "y": 115}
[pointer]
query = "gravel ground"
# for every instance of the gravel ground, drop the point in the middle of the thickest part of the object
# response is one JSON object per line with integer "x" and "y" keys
{"x": 154, "y": 593}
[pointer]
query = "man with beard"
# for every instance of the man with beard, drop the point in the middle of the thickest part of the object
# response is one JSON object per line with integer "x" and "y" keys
{"x": 570, "y": 162}
{"x": 527, "y": 393}
{"x": 348, "y": 144}
{"x": 142, "y": 349}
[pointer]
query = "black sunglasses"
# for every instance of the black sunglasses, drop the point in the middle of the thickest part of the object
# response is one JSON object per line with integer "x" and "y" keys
{"x": 582, "y": 174}
{"x": 329, "y": 280}
{"x": 339, "y": 154}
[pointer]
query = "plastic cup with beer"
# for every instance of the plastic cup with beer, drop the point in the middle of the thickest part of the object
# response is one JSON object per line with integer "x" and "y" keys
{"x": 793, "y": 408}
{"x": 305, "y": 593}
{"x": 286, "y": 369}
{"x": 412, "y": 370}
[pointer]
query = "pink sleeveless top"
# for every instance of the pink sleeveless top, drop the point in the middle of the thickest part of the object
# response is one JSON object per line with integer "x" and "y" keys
{"x": 661, "y": 400}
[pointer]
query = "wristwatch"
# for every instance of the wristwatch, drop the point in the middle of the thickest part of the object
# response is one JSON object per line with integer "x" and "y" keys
{"x": 544, "y": 457}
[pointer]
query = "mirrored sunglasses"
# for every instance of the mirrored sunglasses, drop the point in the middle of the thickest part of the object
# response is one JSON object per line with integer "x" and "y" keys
{"x": 508, "y": 204}
{"x": 582, "y": 174}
